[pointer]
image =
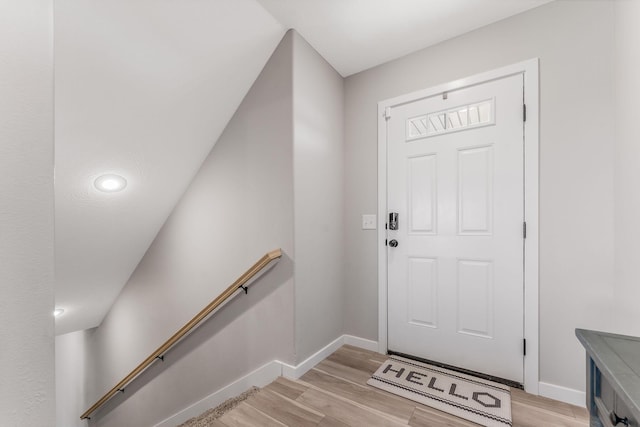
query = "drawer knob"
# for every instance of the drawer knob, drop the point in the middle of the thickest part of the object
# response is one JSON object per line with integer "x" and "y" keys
{"x": 615, "y": 419}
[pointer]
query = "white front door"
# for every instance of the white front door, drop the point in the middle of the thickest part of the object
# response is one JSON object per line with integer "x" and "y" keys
{"x": 456, "y": 180}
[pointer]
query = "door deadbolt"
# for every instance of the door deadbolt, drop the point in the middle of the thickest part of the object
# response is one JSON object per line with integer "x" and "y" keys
{"x": 393, "y": 221}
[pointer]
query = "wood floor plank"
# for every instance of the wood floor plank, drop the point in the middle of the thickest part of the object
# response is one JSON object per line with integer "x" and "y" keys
{"x": 531, "y": 416}
{"x": 244, "y": 415}
{"x": 348, "y": 373}
{"x": 287, "y": 387}
{"x": 328, "y": 421}
{"x": 355, "y": 361}
{"x": 286, "y": 411}
{"x": 364, "y": 354}
{"x": 540, "y": 402}
{"x": 580, "y": 413}
{"x": 344, "y": 411}
{"x": 216, "y": 423}
{"x": 370, "y": 397}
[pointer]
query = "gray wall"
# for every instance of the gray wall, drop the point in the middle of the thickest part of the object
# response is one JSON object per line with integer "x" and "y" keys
{"x": 573, "y": 41}
{"x": 627, "y": 169}
{"x": 274, "y": 179}
{"x": 239, "y": 206}
{"x": 318, "y": 99}
{"x": 26, "y": 214}
{"x": 70, "y": 379}
{"x": 280, "y": 155}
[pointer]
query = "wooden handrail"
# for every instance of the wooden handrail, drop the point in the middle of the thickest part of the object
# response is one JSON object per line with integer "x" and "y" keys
{"x": 262, "y": 263}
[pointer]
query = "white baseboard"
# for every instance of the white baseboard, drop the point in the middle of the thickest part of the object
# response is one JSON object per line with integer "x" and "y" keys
{"x": 296, "y": 372}
{"x": 299, "y": 370}
{"x": 563, "y": 394}
{"x": 361, "y": 343}
{"x": 263, "y": 376}
{"x": 259, "y": 378}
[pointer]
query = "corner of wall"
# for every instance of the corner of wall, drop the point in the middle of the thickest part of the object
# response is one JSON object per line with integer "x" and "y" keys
{"x": 318, "y": 165}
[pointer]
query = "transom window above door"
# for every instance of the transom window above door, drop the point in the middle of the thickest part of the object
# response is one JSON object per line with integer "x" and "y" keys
{"x": 451, "y": 120}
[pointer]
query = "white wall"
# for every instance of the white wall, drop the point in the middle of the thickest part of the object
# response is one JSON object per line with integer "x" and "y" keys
{"x": 239, "y": 206}
{"x": 26, "y": 214}
{"x": 318, "y": 100}
{"x": 573, "y": 41}
{"x": 627, "y": 166}
{"x": 70, "y": 379}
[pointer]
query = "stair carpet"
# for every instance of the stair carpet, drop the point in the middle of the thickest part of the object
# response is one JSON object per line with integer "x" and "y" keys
{"x": 335, "y": 394}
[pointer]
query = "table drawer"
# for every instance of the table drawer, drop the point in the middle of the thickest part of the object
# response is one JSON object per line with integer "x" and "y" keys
{"x": 611, "y": 409}
{"x": 622, "y": 411}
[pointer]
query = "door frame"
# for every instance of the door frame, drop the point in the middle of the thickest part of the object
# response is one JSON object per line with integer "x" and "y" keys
{"x": 529, "y": 69}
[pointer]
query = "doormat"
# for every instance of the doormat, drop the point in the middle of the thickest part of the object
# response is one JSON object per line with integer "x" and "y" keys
{"x": 474, "y": 399}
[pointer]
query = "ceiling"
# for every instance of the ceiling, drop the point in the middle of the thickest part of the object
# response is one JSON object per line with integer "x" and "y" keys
{"x": 144, "y": 88}
{"x": 354, "y": 35}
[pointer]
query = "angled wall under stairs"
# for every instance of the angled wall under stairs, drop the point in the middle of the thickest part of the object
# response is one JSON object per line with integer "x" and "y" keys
{"x": 273, "y": 180}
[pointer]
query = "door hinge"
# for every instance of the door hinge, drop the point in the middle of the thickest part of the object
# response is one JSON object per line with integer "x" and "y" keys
{"x": 524, "y": 112}
{"x": 524, "y": 346}
{"x": 387, "y": 113}
{"x": 524, "y": 230}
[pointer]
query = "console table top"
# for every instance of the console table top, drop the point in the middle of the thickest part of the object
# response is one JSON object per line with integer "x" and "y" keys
{"x": 618, "y": 359}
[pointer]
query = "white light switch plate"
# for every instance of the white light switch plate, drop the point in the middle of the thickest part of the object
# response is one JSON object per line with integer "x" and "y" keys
{"x": 368, "y": 222}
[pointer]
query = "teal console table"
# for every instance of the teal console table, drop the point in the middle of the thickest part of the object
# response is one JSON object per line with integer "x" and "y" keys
{"x": 613, "y": 378}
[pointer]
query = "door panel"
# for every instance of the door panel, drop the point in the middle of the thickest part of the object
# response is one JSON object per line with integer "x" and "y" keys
{"x": 422, "y": 303}
{"x": 455, "y": 280}
{"x": 475, "y": 298}
{"x": 475, "y": 183}
{"x": 422, "y": 194}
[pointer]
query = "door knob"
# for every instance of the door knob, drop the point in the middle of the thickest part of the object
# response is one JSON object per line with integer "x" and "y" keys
{"x": 393, "y": 243}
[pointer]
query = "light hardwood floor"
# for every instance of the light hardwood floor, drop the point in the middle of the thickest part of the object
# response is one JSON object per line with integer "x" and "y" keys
{"x": 335, "y": 393}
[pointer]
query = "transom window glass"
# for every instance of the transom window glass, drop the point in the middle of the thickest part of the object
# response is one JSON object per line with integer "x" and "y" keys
{"x": 452, "y": 120}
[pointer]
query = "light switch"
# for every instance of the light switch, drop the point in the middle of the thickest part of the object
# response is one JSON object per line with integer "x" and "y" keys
{"x": 368, "y": 222}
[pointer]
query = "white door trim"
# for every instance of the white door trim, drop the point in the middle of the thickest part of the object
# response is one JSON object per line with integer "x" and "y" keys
{"x": 531, "y": 135}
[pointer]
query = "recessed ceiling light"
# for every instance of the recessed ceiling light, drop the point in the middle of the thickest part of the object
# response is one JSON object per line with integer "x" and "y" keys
{"x": 58, "y": 311}
{"x": 110, "y": 183}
